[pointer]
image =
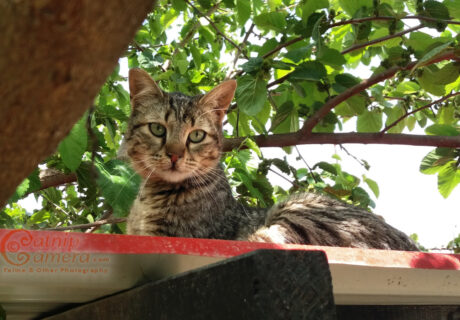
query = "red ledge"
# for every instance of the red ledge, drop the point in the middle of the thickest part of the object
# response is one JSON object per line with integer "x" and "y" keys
{"x": 20, "y": 240}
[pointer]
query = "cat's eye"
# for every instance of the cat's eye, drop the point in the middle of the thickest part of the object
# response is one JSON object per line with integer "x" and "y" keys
{"x": 157, "y": 129}
{"x": 197, "y": 136}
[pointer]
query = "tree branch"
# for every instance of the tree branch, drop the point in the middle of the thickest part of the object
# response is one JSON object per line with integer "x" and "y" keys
{"x": 89, "y": 225}
{"x": 388, "y": 127}
{"x": 238, "y": 52}
{"x": 292, "y": 139}
{"x": 359, "y": 20}
{"x": 391, "y": 36}
{"x": 53, "y": 178}
{"x": 332, "y": 103}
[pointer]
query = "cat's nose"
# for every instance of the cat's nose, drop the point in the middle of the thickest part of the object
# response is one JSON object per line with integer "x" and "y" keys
{"x": 174, "y": 157}
{"x": 175, "y": 152}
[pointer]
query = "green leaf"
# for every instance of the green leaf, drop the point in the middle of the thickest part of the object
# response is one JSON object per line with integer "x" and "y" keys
{"x": 447, "y": 74}
{"x": 448, "y": 178}
{"x": 179, "y": 5}
{"x": 428, "y": 82}
{"x": 436, "y": 10}
{"x": 344, "y": 81}
{"x": 21, "y": 191}
{"x": 282, "y": 114}
{"x": 182, "y": 65}
{"x": 123, "y": 99}
{"x": 351, "y": 6}
{"x": 357, "y": 103}
{"x": 196, "y": 54}
{"x": 206, "y": 4}
{"x": 251, "y": 94}
{"x": 408, "y": 87}
{"x": 372, "y": 185}
{"x": 326, "y": 167}
{"x": 298, "y": 54}
{"x": 243, "y": 177}
{"x": 74, "y": 145}
{"x": 243, "y": 11}
{"x": 436, "y": 159}
{"x": 286, "y": 119}
{"x": 393, "y": 115}
{"x": 274, "y": 4}
{"x": 442, "y": 130}
{"x": 39, "y": 217}
{"x": 369, "y": 121}
{"x": 331, "y": 57}
{"x": 119, "y": 185}
{"x": 252, "y": 145}
{"x": 271, "y": 20}
{"x": 311, "y": 6}
{"x": 420, "y": 41}
{"x": 454, "y": 8}
{"x": 438, "y": 49}
{"x": 282, "y": 165}
{"x": 310, "y": 70}
{"x": 360, "y": 196}
{"x": 253, "y": 65}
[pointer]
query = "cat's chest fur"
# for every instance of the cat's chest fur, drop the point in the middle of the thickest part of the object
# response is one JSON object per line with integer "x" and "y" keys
{"x": 205, "y": 210}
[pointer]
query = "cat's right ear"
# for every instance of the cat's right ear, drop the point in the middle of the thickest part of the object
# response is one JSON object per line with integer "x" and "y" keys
{"x": 140, "y": 83}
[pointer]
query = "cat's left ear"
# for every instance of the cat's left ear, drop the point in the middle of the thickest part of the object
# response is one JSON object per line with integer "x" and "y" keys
{"x": 219, "y": 98}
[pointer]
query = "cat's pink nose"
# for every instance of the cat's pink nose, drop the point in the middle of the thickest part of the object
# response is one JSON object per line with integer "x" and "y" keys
{"x": 174, "y": 157}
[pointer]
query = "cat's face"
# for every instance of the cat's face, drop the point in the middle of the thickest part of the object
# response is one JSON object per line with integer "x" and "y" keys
{"x": 173, "y": 137}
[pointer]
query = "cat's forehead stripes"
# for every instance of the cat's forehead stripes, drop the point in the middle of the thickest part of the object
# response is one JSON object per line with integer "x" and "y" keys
{"x": 183, "y": 107}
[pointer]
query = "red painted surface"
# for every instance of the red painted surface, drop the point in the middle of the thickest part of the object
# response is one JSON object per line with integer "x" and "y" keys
{"x": 49, "y": 241}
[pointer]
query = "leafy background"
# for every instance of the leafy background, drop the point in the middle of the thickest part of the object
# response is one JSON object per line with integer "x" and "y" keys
{"x": 292, "y": 59}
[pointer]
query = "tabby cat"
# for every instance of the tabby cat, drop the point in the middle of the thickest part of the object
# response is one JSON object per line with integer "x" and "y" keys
{"x": 174, "y": 142}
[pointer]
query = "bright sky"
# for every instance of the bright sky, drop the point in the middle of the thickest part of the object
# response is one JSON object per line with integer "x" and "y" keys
{"x": 409, "y": 200}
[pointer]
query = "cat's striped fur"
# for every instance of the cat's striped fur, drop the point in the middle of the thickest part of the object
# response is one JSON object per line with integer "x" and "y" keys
{"x": 186, "y": 194}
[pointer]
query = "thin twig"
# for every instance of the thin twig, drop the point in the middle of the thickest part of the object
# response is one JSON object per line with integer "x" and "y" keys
{"x": 189, "y": 35}
{"x": 306, "y": 164}
{"x": 89, "y": 225}
{"x": 281, "y": 176}
{"x": 282, "y": 45}
{"x": 213, "y": 25}
{"x": 391, "y": 36}
{"x": 238, "y": 52}
{"x": 388, "y": 127}
{"x": 106, "y": 215}
{"x": 423, "y": 18}
{"x": 399, "y": 98}
{"x": 361, "y": 163}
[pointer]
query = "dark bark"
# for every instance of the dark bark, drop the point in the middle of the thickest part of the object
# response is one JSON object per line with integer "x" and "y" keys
{"x": 54, "y": 57}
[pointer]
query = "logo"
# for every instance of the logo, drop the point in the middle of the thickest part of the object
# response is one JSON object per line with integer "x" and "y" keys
{"x": 25, "y": 251}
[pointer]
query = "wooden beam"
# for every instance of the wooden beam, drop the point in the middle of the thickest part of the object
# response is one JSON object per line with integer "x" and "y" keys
{"x": 264, "y": 284}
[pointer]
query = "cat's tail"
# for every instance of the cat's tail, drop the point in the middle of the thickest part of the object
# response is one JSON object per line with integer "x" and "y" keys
{"x": 319, "y": 220}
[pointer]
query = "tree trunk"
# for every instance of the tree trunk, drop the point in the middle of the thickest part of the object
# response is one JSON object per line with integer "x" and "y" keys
{"x": 54, "y": 57}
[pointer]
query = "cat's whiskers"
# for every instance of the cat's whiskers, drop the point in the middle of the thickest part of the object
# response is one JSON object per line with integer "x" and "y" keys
{"x": 145, "y": 180}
